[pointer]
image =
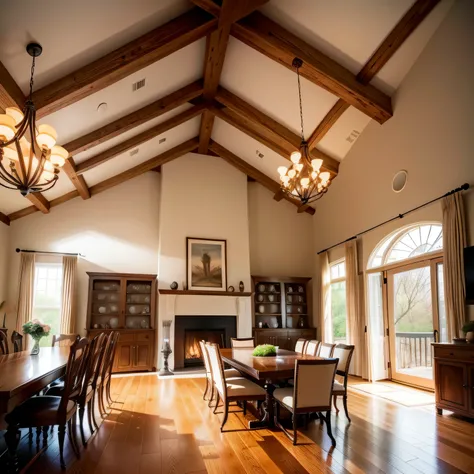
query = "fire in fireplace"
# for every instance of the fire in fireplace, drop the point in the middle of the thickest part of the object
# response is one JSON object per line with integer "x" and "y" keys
{"x": 192, "y": 350}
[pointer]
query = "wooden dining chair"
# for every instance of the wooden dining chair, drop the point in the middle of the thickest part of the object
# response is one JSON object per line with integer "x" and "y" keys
{"x": 300, "y": 345}
{"x": 63, "y": 339}
{"x": 17, "y": 341}
{"x": 312, "y": 347}
{"x": 228, "y": 373}
{"x": 105, "y": 377}
{"x": 242, "y": 342}
{"x": 302, "y": 398}
{"x": 45, "y": 410}
{"x": 3, "y": 343}
{"x": 344, "y": 353}
{"x": 326, "y": 349}
{"x": 233, "y": 389}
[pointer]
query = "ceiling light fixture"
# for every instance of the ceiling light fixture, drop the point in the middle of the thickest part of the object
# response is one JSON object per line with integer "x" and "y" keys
{"x": 304, "y": 178}
{"x": 34, "y": 159}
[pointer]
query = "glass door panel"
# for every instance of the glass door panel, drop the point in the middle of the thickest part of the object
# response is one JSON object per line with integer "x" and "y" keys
{"x": 412, "y": 324}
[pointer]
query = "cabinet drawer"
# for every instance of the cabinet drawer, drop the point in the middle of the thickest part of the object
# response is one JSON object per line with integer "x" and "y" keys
{"x": 144, "y": 336}
{"x": 454, "y": 353}
{"x": 127, "y": 337}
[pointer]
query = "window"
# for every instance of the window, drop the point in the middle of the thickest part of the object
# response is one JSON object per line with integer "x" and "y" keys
{"x": 338, "y": 301}
{"x": 408, "y": 242}
{"x": 47, "y": 297}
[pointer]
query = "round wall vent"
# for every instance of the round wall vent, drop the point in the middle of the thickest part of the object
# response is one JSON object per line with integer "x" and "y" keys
{"x": 399, "y": 181}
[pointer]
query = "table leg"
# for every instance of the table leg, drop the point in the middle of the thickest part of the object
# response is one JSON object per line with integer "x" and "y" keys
{"x": 267, "y": 421}
{"x": 12, "y": 439}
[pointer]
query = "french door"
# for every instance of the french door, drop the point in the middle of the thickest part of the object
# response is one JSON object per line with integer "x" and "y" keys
{"x": 416, "y": 318}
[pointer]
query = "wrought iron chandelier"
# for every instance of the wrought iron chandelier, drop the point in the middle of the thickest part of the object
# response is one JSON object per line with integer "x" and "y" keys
{"x": 29, "y": 157}
{"x": 304, "y": 178}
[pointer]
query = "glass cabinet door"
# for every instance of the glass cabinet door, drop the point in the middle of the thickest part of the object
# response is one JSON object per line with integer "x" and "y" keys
{"x": 106, "y": 304}
{"x": 138, "y": 304}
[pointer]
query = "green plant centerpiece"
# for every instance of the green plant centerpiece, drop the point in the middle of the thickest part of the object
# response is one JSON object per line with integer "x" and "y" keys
{"x": 264, "y": 350}
{"x": 468, "y": 330}
{"x": 37, "y": 330}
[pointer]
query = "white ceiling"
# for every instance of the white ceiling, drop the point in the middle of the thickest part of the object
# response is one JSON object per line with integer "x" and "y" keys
{"x": 75, "y": 33}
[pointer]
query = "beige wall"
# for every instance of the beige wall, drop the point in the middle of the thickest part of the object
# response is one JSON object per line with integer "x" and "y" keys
{"x": 430, "y": 136}
{"x": 281, "y": 240}
{"x": 4, "y": 274}
{"x": 117, "y": 231}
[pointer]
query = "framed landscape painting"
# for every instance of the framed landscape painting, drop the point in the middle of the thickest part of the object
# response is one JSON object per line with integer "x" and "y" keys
{"x": 206, "y": 261}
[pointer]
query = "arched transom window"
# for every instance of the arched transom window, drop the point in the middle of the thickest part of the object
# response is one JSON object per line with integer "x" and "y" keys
{"x": 407, "y": 243}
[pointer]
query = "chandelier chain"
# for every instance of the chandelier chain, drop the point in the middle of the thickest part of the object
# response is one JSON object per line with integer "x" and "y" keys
{"x": 32, "y": 76}
{"x": 301, "y": 102}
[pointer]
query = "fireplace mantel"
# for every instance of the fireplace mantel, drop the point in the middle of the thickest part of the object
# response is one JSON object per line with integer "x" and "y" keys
{"x": 238, "y": 294}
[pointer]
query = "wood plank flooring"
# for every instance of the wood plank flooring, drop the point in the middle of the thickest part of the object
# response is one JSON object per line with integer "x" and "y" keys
{"x": 164, "y": 426}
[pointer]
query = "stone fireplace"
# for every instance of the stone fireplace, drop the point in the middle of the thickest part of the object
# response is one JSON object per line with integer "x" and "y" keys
{"x": 189, "y": 330}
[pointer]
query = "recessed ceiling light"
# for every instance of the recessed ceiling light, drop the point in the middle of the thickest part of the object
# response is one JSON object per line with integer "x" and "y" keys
{"x": 162, "y": 140}
{"x": 134, "y": 151}
{"x": 102, "y": 108}
{"x": 259, "y": 154}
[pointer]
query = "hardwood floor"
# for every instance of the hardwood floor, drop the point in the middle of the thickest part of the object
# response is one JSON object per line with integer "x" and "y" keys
{"x": 163, "y": 426}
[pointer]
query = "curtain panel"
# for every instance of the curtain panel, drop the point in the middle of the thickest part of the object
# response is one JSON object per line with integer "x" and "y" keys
{"x": 454, "y": 241}
{"x": 68, "y": 316}
{"x": 325, "y": 310}
{"x": 25, "y": 292}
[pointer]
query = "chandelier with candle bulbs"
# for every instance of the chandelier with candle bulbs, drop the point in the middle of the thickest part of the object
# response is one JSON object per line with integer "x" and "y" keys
{"x": 304, "y": 178}
{"x": 29, "y": 157}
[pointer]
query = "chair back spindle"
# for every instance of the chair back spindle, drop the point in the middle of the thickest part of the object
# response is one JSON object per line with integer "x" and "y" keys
{"x": 3, "y": 343}
{"x": 17, "y": 341}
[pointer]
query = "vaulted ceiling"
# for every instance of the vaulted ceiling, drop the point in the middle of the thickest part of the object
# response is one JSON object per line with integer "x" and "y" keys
{"x": 217, "y": 80}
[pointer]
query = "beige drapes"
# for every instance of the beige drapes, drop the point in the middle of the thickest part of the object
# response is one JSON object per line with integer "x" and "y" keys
{"x": 355, "y": 318}
{"x": 454, "y": 241}
{"x": 325, "y": 310}
{"x": 25, "y": 291}
{"x": 68, "y": 317}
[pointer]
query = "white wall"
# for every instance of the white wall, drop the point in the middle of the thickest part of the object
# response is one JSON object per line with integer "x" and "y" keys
{"x": 430, "y": 136}
{"x": 281, "y": 240}
{"x": 117, "y": 231}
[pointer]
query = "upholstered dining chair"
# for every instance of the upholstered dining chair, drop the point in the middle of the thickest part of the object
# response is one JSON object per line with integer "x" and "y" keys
{"x": 45, "y": 410}
{"x": 242, "y": 343}
{"x": 344, "y": 353}
{"x": 302, "y": 398}
{"x": 300, "y": 345}
{"x": 312, "y": 347}
{"x": 228, "y": 373}
{"x": 3, "y": 343}
{"x": 326, "y": 349}
{"x": 233, "y": 389}
{"x": 17, "y": 341}
{"x": 63, "y": 339}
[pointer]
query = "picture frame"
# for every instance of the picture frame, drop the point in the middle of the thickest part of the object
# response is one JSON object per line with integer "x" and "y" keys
{"x": 206, "y": 264}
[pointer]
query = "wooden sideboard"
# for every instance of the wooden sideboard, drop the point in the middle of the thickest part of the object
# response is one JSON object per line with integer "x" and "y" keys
{"x": 454, "y": 378}
{"x": 283, "y": 338}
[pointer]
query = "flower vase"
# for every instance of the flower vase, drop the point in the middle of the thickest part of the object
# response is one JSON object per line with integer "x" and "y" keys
{"x": 36, "y": 347}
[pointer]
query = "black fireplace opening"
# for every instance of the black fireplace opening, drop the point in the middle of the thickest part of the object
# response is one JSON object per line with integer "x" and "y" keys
{"x": 189, "y": 330}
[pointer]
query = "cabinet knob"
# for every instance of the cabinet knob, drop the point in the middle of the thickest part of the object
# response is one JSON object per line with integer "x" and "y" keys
{"x": 465, "y": 386}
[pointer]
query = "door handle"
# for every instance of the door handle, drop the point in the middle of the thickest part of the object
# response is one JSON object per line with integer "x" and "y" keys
{"x": 436, "y": 335}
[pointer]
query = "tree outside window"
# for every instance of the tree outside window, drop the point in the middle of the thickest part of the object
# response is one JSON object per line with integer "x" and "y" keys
{"x": 338, "y": 301}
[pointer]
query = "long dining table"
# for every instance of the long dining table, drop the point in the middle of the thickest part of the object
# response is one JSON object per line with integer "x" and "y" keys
{"x": 269, "y": 370}
{"x": 21, "y": 377}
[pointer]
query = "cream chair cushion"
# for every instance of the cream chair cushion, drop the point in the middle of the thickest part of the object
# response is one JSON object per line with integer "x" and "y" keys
{"x": 231, "y": 373}
{"x": 242, "y": 343}
{"x": 299, "y": 346}
{"x": 284, "y": 395}
{"x": 338, "y": 387}
{"x": 325, "y": 350}
{"x": 342, "y": 355}
{"x": 240, "y": 387}
{"x": 311, "y": 348}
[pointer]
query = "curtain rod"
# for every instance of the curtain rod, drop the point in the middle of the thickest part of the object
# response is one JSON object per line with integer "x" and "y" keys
{"x": 51, "y": 253}
{"x": 464, "y": 187}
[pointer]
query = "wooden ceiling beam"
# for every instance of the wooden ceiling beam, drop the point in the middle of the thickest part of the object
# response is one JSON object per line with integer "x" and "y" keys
{"x": 39, "y": 201}
{"x": 263, "y": 128}
{"x": 150, "y": 165}
{"x": 139, "y": 139}
{"x": 138, "y": 54}
{"x": 253, "y": 172}
{"x": 10, "y": 93}
{"x": 70, "y": 168}
{"x": 134, "y": 119}
{"x": 4, "y": 218}
{"x": 272, "y": 40}
{"x": 205, "y": 131}
{"x": 402, "y": 30}
{"x": 163, "y": 158}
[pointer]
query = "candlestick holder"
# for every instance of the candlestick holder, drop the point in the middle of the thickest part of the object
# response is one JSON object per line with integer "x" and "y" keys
{"x": 166, "y": 348}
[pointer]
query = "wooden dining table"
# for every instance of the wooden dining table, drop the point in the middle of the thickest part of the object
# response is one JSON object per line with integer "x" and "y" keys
{"x": 270, "y": 370}
{"x": 21, "y": 377}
